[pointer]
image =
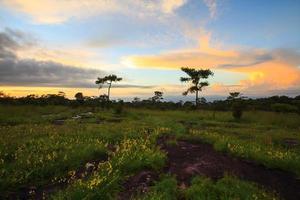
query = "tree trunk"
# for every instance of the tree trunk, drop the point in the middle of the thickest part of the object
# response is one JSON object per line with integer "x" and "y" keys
{"x": 108, "y": 92}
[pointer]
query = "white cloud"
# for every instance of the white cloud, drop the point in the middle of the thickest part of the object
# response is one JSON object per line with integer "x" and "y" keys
{"x": 59, "y": 11}
{"x": 168, "y": 6}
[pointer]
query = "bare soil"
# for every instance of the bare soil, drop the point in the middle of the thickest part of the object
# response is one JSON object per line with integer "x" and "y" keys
{"x": 190, "y": 158}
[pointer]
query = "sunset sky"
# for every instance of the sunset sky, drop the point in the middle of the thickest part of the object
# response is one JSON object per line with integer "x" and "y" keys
{"x": 46, "y": 46}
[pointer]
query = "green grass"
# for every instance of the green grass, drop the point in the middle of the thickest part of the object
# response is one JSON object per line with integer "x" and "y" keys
{"x": 33, "y": 151}
{"x": 227, "y": 188}
{"x": 131, "y": 156}
{"x": 165, "y": 189}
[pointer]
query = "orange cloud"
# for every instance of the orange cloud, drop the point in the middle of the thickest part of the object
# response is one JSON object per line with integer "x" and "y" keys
{"x": 273, "y": 74}
{"x": 265, "y": 69}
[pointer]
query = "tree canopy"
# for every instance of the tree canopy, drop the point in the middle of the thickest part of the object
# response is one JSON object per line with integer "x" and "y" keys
{"x": 196, "y": 77}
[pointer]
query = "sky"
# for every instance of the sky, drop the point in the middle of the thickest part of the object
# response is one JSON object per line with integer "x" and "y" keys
{"x": 46, "y": 46}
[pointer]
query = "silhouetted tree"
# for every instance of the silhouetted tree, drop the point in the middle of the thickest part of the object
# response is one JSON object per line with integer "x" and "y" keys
{"x": 196, "y": 77}
{"x": 2, "y": 95}
{"x": 234, "y": 96}
{"x": 107, "y": 80}
{"x": 136, "y": 100}
{"x": 61, "y": 94}
{"x": 103, "y": 100}
{"x": 237, "y": 105}
{"x": 157, "y": 96}
{"x": 79, "y": 97}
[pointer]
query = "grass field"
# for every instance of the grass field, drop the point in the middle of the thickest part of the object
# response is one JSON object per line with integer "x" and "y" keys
{"x": 47, "y": 145}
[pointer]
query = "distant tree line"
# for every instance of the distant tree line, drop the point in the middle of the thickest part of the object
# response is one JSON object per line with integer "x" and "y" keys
{"x": 235, "y": 101}
{"x": 274, "y": 103}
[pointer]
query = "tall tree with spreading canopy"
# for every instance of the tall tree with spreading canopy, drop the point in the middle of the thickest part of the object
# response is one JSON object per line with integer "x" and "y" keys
{"x": 196, "y": 77}
{"x": 107, "y": 80}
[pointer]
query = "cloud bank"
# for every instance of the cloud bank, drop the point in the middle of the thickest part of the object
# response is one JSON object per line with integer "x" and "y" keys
{"x": 15, "y": 71}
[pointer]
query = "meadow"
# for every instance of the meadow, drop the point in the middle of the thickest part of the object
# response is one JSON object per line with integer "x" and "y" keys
{"x": 59, "y": 152}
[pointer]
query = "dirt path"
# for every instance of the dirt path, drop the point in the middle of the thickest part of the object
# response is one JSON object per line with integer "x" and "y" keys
{"x": 188, "y": 159}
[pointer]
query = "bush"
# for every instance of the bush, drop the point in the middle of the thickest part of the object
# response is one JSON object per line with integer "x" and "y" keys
{"x": 282, "y": 107}
{"x": 118, "y": 108}
{"x": 237, "y": 110}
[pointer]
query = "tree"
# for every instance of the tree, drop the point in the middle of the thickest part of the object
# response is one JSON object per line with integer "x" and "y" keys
{"x": 2, "y": 95}
{"x": 157, "y": 96}
{"x": 79, "y": 97}
{"x": 237, "y": 105}
{"x": 235, "y": 96}
{"x": 136, "y": 100}
{"x": 196, "y": 76}
{"x": 107, "y": 80}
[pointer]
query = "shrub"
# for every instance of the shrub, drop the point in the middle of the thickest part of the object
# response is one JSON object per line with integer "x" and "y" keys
{"x": 237, "y": 110}
{"x": 282, "y": 107}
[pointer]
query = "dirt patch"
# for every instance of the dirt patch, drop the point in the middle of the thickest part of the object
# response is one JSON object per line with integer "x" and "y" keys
{"x": 188, "y": 159}
{"x": 138, "y": 184}
{"x": 43, "y": 192}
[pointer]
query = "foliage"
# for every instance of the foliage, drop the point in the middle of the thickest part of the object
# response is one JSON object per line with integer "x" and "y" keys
{"x": 107, "y": 80}
{"x": 35, "y": 152}
{"x": 119, "y": 108}
{"x": 237, "y": 109}
{"x": 79, "y": 97}
{"x": 196, "y": 76}
{"x": 265, "y": 104}
{"x": 157, "y": 96}
{"x": 131, "y": 156}
{"x": 281, "y": 107}
{"x": 237, "y": 104}
{"x": 165, "y": 189}
{"x": 226, "y": 188}
{"x": 43, "y": 153}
